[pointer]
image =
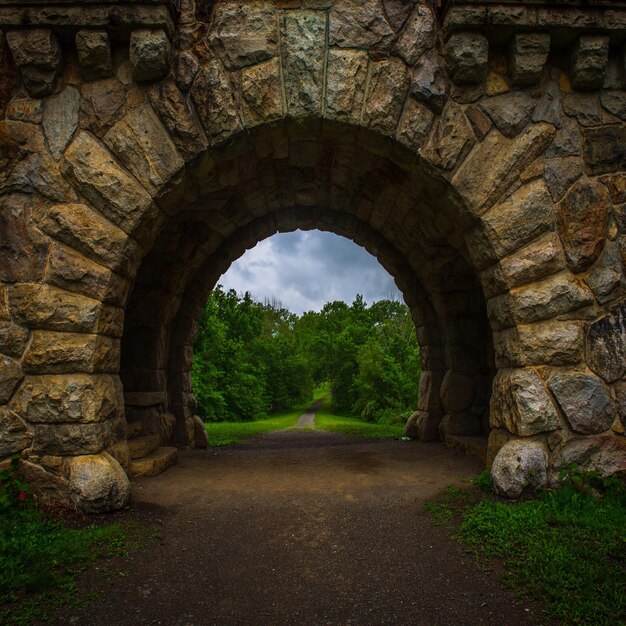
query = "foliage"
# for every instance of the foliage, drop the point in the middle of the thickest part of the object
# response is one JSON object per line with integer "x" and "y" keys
{"x": 565, "y": 548}
{"x": 253, "y": 359}
{"x": 13, "y": 491}
{"x": 483, "y": 481}
{"x": 40, "y": 558}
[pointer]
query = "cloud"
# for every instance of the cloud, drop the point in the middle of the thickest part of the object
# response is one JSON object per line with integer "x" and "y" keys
{"x": 306, "y": 269}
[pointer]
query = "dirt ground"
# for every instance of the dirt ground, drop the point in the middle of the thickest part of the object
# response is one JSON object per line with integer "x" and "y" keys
{"x": 305, "y": 528}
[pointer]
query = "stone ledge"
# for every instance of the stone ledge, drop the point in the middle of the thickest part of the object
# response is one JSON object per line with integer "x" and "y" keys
{"x": 122, "y": 17}
{"x": 500, "y": 19}
{"x": 144, "y": 398}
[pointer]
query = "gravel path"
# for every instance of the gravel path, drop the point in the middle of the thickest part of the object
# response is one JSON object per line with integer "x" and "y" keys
{"x": 300, "y": 528}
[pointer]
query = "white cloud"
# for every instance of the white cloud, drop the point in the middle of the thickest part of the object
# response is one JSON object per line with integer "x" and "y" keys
{"x": 306, "y": 269}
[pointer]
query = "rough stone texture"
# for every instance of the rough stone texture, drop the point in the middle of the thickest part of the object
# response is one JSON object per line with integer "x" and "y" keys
{"x": 144, "y": 147}
{"x": 416, "y": 122}
{"x": 509, "y": 112}
{"x": 585, "y": 402}
{"x": 561, "y": 174}
{"x": 37, "y": 53}
{"x": 345, "y": 87}
{"x": 467, "y": 56}
{"x": 98, "y": 483}
{"x": 521, "y": 404}
{"x": 76, "y": 398}
{"x": 604, "y": 149}
{"x": 71, "y": 439}
{"x": 200, "y": 437}
{"x": 606, "y": 276}
{"x": 496, "y": 163}
{"x": 244, "y": 33}
{"x": 94, "y": 54}
{"x": 528, "y": 54}
{"x": 187, "y": 67}
{"x": 589, "y": 60}
{"x": 359, "y": 25}
{"x": 212, "y": 94}
{"x": 581, "y": 219}
{"x": 463, "y": 424}
{"x": 60, "y": 120}
{"x": 605, "y": 454}
{"x": 149, "y": 55}
{"x": 614, "y": 102}
{"x": 178, "y": 117}
{"x": 428, "y": 82}
{"x": 385, "y": 95}
{"x": 15, "y": 435}
{"x": 303, "y": 36}
{"x": 103, "y": 182}
{"x": 262, "y": 99}
{"x": 10, "y": 376}
{"x": 520, "y": 466}
{"x": 451, "y": 140}
{"x": 13, "y": 338}
{"x": 606, "y": 345}
{"x": 418, "y": 35}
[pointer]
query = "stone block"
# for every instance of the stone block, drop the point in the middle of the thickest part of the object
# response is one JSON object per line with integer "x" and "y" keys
{"x": 59, "y": 353}
{"x": 10, "y": 376}
{"x": 154, "y": 463}
{"x": 71, "y": 439}
{"x": 13, "y": 338}
{"x": 467, "y": 58}
{"x": 60, "y": 120}
{"x": 359, "y": 25}
{"x": 94, "y": 54}
{"x": 520, "y": 403}
{"x": 581, "y": 219}
{"x": 590, "y": 58}
{"x": 144, "y": 147}
{"x": 150, "y": 52}
{"x": 429, "y": 82}
{"x": 98, "y": 177}
{"x": 463, "y": 424}
{"x": 186, "y": 68}
{"x": 200, "y": 437}
{"x": 521, "y": 465}
{"x": 244, "y": 34}
{"x": 606, "y": 345}
{"x": 68, "y": 398}
{"x": 561, "y": 174}
{"x": 85, "y": 230}
{"x": 346, "y": 77}
{"x": 261, "y": 94}
{"x": 37, "y": 53}
{"x": 457, "y": 392}
{"x": 585, "y": 402}
{"x": 212, "y": 94}
{"x": 510, "y": 113}
{"x": 606, "y": 277}
{"x": 604, "y": 149}
{"x": 605, "y": 454}
{"x": 15, "y": 435}
{"x": 415, "y": 124}
{"x": 417, "y": 36}
{"x": 303, "y": 41}
{"x": 528, "y": 54}
{"x": 385, "y": 95}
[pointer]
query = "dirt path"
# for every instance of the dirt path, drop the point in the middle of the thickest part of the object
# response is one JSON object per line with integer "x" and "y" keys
{"x": 300, "y": 528}
{"x": 307, "y": 419}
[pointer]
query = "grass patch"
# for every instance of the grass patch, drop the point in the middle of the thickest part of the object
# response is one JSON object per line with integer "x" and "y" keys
{"x": 566, "y": 548}
{"x": 229, "y": 433}
{"x": 355, "y": 427}
{"x": 40, "y": 560}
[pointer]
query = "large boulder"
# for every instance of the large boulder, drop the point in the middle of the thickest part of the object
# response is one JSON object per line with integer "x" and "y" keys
{"x": 520, "y": 466}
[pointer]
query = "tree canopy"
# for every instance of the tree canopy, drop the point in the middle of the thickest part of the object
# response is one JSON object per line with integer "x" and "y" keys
{"x": 252, "y": 359}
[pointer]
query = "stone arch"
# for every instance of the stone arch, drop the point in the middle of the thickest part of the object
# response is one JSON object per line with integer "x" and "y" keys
{"x": 468, "y": 178}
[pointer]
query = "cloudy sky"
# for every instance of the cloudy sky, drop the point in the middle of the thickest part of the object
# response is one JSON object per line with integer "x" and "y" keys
{"x": 306, "y": 269}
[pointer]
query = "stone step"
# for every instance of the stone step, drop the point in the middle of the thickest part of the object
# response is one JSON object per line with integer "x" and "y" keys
{"x": 155, "y": 463}
{"x": 142, "y": 446}
{"x": 474, "y": 444}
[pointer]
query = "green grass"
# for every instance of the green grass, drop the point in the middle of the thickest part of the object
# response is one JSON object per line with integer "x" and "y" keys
{"x": 229, "y": 433}
{"x": 566, "y": 548}
{"x": 355, "y": 427}
{"x": 40, "y": 560}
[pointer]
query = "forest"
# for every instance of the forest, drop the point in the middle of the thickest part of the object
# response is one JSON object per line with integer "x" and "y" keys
{"x": 252, "y": 359}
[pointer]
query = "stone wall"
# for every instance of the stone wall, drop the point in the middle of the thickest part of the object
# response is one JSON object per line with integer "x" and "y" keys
{"x": 479, "y": 153}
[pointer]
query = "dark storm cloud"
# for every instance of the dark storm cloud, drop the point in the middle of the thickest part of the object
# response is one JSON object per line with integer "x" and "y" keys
{"x": 304, "y": 270}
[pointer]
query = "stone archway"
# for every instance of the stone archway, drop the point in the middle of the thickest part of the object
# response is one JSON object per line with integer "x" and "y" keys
{"x": 491, "y": 189}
